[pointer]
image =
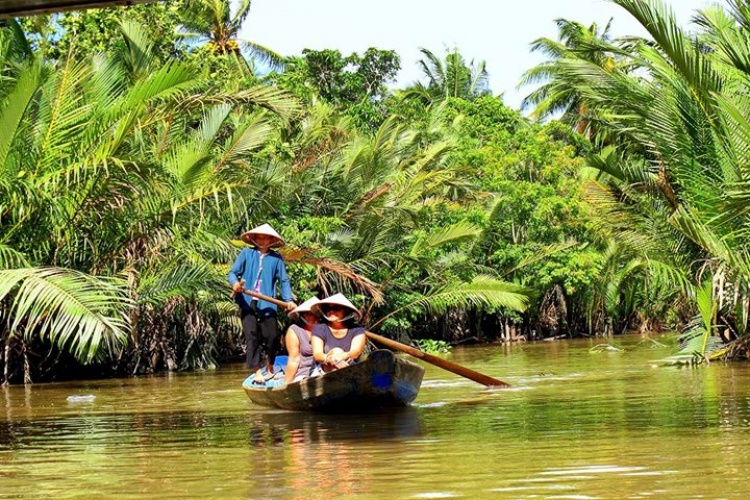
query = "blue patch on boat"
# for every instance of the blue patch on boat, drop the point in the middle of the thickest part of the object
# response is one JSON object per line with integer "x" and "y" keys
{"x": 280, "y": 363}
{"x": 382, "y": 370}
{"x": 406, "y": 392}
{"x": 382, "y": 380}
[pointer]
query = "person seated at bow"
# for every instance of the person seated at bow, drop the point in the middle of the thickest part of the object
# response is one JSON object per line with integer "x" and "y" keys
{"x": 340, "y": 340}
{"x": 300, "y": 363}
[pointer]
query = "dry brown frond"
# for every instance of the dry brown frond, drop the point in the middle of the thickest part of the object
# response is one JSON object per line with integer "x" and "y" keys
{"x": 371, "y": 195}
{"x": 333, "y": 275}
{"x": 329, "y": 268}
{"x": 295, "y": 254}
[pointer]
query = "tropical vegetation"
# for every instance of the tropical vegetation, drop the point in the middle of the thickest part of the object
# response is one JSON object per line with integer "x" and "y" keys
{"x": 137, "y": 148}
{"x": 667, "y": 116}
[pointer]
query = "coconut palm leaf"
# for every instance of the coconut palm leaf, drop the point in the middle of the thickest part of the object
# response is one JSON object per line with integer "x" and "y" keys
{"x": 543, "y": 253}
{"x": 451, "y": 77}
{"x": 15, "y": 106}
{"x": 11, "y": 258}
{"x": 262, "y": 53}
{"x": 247, "y": 139}
{"x": 165, "y": 82}
{"x": 335, "y": 275}
{"x": 76, "y": 312}
{"x": 176, "y": 278}
{"x": 707, "y": 308}
{"x": 690, "y": 224}
{"x": 455, "y": 233}
{"x": 190, "y": 162}
{"x": 14, "y": 46}
{"x": 275, "y": 99}
{"x": 483, "y": 292}
{"x": 62, "y": 116}
{"x": 138, "y": 55}
{"x": 555, "y": 95}
{"x": 697, "y": 342}
{"x": 686, "y": 57}
{"x": 217, "y": 23}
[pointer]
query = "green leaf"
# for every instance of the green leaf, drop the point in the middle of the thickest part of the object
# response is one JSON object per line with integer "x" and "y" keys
{"x": 82, "y": 314}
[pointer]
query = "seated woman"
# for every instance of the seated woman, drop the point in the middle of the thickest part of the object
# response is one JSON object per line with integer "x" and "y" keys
{"x": 341, "y": 340}
{"x": 300, "y": 364}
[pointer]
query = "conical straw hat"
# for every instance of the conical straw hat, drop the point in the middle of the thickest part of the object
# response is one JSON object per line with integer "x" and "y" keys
{"x": 249, "y": 236}
{"x": 337, "y": 299}
{"x": 304, "y": 307}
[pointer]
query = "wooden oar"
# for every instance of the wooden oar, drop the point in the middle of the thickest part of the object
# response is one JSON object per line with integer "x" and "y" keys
{"x": 412, "y": 351}
{"x": 439, "y": 362}
{"x": 260, "y": 296}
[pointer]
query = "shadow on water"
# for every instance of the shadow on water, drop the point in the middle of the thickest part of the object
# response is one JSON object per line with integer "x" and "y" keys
{"x": 277, "y": 427}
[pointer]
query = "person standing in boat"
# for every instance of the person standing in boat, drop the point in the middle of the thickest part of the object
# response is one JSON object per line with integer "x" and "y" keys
{"x": 260, "y": 269}
{"x": 300, "y": 363}
{"x": 340, "y": 341}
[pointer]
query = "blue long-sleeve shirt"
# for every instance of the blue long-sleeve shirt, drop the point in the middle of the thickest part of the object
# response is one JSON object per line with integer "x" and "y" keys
{"x": 274, "y": 271}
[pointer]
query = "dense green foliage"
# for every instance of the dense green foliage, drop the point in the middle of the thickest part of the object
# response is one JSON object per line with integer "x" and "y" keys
{"x": 355, "y": 85}
{"x": 135, "y": 149}
{"x": 668, "y": 116}
{"x": 126, "y": 174}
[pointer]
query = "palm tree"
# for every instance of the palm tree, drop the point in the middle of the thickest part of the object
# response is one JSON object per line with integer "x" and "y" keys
{"x": 363, "y": 200}
{"x": 556, "y": 95}
{"x": 120, "y": 181}
{"x": 678, "y": 145}
{"x": 214, "y": 23}
{"x": 114, "y": 195}
{"x": 451, "y": 77}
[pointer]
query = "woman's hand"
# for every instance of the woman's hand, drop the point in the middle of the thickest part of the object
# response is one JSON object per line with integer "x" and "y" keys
{"x": 337, "y": 358}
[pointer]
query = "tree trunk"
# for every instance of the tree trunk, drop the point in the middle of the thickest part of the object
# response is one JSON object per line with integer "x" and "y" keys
{"x": 26, "y": 365}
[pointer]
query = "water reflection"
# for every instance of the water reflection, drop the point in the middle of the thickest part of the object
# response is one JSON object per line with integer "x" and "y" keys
{"x": 328, "y": 453}
{"x": 575, "y": 425}
{"x": 204, "y": 429}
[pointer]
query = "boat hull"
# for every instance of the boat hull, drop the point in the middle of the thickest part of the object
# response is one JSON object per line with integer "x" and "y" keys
{"x": 380, "y": 380}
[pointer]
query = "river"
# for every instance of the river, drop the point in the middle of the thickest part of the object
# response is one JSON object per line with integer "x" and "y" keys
{"x": 577, "y": 423}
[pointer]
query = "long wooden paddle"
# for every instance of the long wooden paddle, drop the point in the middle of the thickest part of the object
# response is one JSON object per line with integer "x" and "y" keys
{"x": 439, "y": 362}
{"x": 412, "y": 351}
{"x": 260, "y": 296}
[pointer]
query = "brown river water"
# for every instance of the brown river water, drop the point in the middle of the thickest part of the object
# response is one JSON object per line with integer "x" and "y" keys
{"x": 576, "y": 424}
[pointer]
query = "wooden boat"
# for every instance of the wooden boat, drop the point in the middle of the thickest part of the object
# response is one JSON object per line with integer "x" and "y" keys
{"x": 380, "y": 380}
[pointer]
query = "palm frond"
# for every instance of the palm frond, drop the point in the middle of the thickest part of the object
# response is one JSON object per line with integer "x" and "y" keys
{"x": 10, "y": 258}
{"x": 542, "y": 254}
{"x": 455, "y": 233}
{"x": 138, "y": 53}
{"x": 264, "y": 54}
{"x": 82, "y": 314}
{"x": 247, "y": 138}
{"x": 15, "y": 106}
{"x": 345, "y": 277}
{"x": 176, "y": 278}
{"x": 190, "y": 162}
{"x": 483, "y": 292}
{"x": 275, "y": 99}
